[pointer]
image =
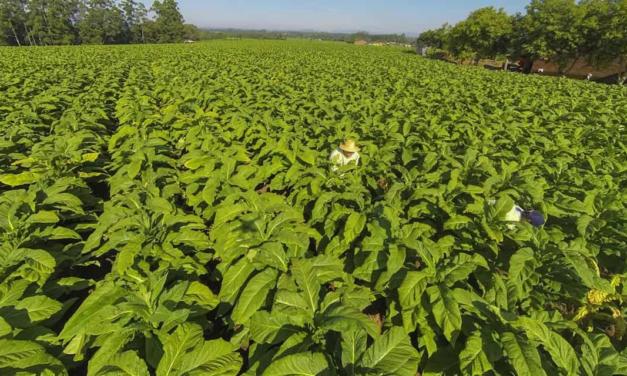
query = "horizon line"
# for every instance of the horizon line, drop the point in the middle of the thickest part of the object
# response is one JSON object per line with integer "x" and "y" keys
{"x": 281, "y": 30}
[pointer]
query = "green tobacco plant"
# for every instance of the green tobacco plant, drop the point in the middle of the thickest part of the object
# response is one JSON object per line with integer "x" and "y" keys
{"x": 171, "y": 210}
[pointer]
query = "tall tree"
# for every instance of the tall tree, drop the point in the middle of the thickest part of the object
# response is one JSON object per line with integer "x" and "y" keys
{"x": 102, "y": 23}
{"x": 63, "y": 17}
{"x": 191, "y": 32}
{"x": 36, "y": 22}
{"x": 134, "y": 18}
{"x": 552, "y": 29}
{"x": 12, "y": 22}
{"x": 436, "y": 38}
{"x": 484, "y": 34}
{"x": 53, "y": 21}
{"x": 604, "y": 30}
{"x": 169, "y": 23}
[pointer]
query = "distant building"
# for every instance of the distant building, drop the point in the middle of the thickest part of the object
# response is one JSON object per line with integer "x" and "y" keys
{"x": 360, "y": 42}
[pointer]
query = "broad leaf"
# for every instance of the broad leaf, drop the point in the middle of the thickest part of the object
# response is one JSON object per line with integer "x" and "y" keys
{"x": 522, "y": 355}
{"x": 254, "y": 295}
{"x": 301, "y": 364}
{"x": 392, "y": 354}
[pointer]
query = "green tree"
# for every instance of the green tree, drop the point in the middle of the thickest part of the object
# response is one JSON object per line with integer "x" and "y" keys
{"x": 151, "y": 31}
{"x": 63, "y": 17}
{"x": 53, "y": 22}
{"x": 486, "y": 33}
{"x": 36, "y": 22}
{"x": 604, "y": 30}
{"x": 12, "y": 22}
{"x": 102, "y": 23}
{"x": 436, "y": 38}
{"x": 169, "y": 23}
{"x": 134, "y": 18}
{"x": 551, "y": 29}
{"x": 191, "y": 32}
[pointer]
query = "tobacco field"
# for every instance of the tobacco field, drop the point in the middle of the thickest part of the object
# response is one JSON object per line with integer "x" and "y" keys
{"x": 171, "y": 210}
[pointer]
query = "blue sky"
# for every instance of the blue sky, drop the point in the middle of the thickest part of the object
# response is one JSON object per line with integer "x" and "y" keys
{"x": 375, "y": 16}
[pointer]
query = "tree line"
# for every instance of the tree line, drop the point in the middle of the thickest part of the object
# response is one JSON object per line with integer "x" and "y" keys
{"x": 219, "y": 33}
{"x": 559, "y": 30}
{"x": 61, "y": 22}
{"x": 393, "y": 38}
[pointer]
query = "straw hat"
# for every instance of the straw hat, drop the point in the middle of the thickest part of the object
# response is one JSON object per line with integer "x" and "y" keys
{"x": 349, "y": 146}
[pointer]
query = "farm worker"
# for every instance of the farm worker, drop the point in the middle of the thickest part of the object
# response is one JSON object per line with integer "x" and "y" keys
{"x": 347, "y": 152}
{"x": 518, "y": 214}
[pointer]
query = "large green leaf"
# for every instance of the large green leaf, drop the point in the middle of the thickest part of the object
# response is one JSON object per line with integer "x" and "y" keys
{"x": 412, "y": 288}
{"x": 111, "y": 347}
{"x": 456, "y": 222}
{"x": 472, "y": 359}
{"x": 234, "y": 278}
{"x": 305, "y": 277}
{"x": 599, "y": 357}
{"x": 562, "y": 353}
{"x": 186, "y": 338}
{"x": 201, "y": 295}
{"x": 266, "y": 327}
{"x": 15, "y": 180}
{"x": 15, "y": 353}
{"x": 127, "y": 363}
{"x": 254, "y": 295}
{"x": 345, "y": 319}
{"x": 445, "y": 311}
{"x": 391, "y": 354}
{"x": 301, "y": 364}
{"x": 216, "y": 357}
{"x": 523, "y": 356}
{"x": 522, "y": 264}
{"x": 44, "y": 216}
{"x": 272, "y": 254}
{"x": 18, "y": 355}
{"x": 39, "y": 307}
{"x": 83, "y": 318}
{"x": 353, "y": 348}
{"x": 354, "y": 226}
